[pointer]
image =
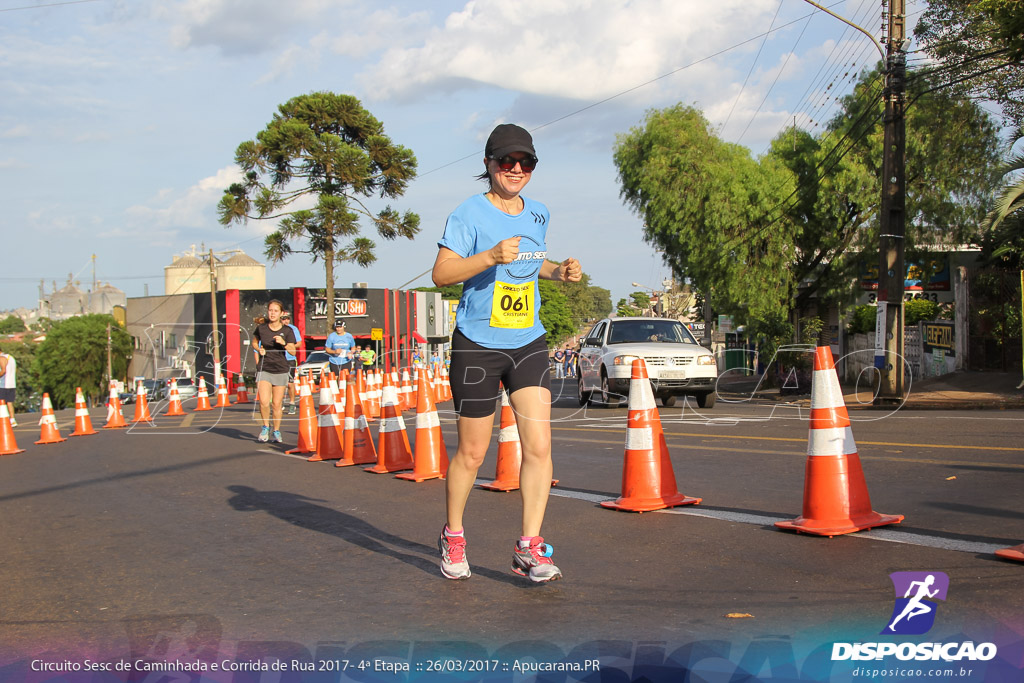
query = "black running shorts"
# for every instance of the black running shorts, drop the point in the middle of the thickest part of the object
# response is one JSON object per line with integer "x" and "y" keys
{"x": 476, "y": 372}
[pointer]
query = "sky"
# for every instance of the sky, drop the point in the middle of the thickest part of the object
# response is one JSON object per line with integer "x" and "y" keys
{"x": 119, "y": 119}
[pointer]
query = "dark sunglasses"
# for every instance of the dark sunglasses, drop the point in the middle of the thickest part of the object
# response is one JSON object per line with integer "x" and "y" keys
{"x": 527, "y": 163}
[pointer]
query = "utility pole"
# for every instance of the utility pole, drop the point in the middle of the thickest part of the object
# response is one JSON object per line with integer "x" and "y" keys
{"x": 215, "y": 336}
{"x": 891, "y": 270}
{"x": 110, "y": 360}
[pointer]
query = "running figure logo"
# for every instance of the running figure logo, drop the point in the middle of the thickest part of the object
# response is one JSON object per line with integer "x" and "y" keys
{"x": 916, "y": 592}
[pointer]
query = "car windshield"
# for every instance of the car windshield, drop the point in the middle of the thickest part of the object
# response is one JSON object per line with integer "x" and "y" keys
{"x": 658, "y": 331}
{"x": 317, "y": 357}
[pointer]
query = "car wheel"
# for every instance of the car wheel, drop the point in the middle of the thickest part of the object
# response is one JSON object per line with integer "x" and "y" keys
{"x": 706, "y": 400}
{"x": 584, "y": 397}
{"x": 668, "y": 400}
{"x": 608, "y": 398}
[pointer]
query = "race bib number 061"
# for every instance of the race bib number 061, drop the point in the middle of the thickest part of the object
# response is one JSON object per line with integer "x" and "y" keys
{"x": 513, "y": 305}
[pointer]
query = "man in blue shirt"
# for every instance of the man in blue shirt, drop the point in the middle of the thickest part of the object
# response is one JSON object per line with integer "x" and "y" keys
{"x": 286, "y": 318}
{"x": 339, "y": 346}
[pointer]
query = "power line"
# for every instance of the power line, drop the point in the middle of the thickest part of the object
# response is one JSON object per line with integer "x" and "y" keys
{"x": 751, "y": 69}
{"x": 617, "y": 95}
{"x": 51, "y": 4}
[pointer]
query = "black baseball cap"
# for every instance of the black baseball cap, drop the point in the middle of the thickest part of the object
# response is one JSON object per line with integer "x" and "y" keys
{"x": 339, "y": 323}
{"x": 507, "y": 138}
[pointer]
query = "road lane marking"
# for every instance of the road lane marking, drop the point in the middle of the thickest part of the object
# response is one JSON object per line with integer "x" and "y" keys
{"x": 748, "y": 451}
{"x": 890, "y": 535}
{"x": 669, "y": 434}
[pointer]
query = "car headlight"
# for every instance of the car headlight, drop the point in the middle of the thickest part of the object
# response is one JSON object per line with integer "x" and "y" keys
{"x": 705, "y": 359}
{"x": 624, "y": 360}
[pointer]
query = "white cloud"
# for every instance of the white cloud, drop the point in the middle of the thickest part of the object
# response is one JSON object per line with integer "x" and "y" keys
{"x": 19, "y": 131}
{"x": 568, "y": 48}
{"x": 194, "y": 208}
{"x": 239, "y": 26}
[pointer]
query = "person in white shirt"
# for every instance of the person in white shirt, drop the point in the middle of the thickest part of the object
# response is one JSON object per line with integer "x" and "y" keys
{"x": 8, "y": 382}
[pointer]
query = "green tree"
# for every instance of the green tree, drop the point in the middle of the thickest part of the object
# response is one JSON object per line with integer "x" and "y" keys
{"x": 75, "y": 355}
{"x": 586, "y": 302}
{"x": 951, "y": 144}
{"x": 979, "y": 48}
{"x": 711, "y": 208}
{"x": 328, "y": 147}
{"x": 1005, "y": 223}
{"x": 554, "y": 313}
{"x": 12, "y": 324}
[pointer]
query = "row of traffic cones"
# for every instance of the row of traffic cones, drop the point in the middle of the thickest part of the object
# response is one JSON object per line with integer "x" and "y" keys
{"x": 836, "y": 499}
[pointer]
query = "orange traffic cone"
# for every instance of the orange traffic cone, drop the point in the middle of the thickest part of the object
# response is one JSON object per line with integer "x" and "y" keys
{"x": 510, "y": 451}
{"x": 1014, "y": 553}
{"x": 648, "y": 481}
{"x": 329, "y": 434}
{"x": 174, "y": 403}
{"x": 393, "y": 451}
{"x": 8, "y": 445}
{"x": 374, "y": 393}
{"x": 115, "y": 418}
{"x": 141, "y": 404}
{"x": 203, "y": 396}
{"x": 83, "y": 424}
{"x": 435, "y": 379}
{"x": 222, "y": 394}
{"x": 308, "y": 423}
{"x": 409, "y": 396}
{"x": 241, "y": 393}
{"x": 836, "y": 497}
{"x": 446, "y": 385}
{"x": 358, "y": 444}
{"x": 431, "y": 457}
{"x": 48, "y": 432}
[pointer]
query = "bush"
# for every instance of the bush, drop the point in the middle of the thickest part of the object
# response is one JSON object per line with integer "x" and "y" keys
{"x": 863, "y": 319}
{"x": 917, "y": 310}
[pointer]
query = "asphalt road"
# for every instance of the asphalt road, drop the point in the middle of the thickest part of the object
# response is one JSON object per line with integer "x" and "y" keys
{"x": 189, "y": 539}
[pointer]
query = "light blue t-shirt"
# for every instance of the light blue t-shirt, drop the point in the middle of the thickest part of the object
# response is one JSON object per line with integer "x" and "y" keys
{"x": 340, "y": 342}
{"x": 476, "y": 226}
{"x": 298, "y": 336}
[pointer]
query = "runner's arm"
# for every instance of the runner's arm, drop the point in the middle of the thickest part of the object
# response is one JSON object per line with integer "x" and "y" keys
{"x": 450, "y": 268}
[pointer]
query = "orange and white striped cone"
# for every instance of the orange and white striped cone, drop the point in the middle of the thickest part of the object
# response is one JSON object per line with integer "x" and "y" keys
{"x": 340, "y": 386}
{"x": 393, "y": 451}
{"x": 1014, "y": 553}
{"x": 648, "y": 480}
{"x": 374, "y": 394}
{"x": 223, "y": 401}
{"x": 409, "y": 396}
{"x": 430, "y": 459}
{"x": 836, "y": 499}
{"x": 446, "y": 385}
{"x": 174, "y": 407}
{"x": 202, "y": 396}
{"x": 115, "y": 418}
{"x": 141, "y": 404}
{"x": 8, "y": 444}
{"x": 309, "y": 425}
{"x": 83, "y": 423}
{"x": 358, "y": 443}
{"x": 48, "y": 432}
{"x": 435, "y": 383}
{"x": 241, "y": 393}
{"x": 510, "y": 451}
{"x": 329, "y": 434}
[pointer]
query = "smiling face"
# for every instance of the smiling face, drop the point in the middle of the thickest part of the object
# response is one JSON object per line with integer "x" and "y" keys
{"x": 509, "y": 183}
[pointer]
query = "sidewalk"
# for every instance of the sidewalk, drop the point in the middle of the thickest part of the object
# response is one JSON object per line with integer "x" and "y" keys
{"x": 956, "y": 391}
